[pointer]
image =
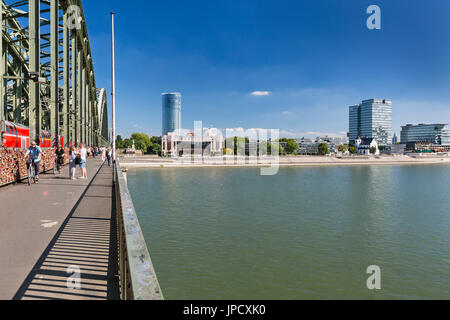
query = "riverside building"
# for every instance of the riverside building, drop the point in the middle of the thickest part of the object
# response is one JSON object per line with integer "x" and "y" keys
{"x": 431, "y": 133}
{"x": 210, "y": 142}
{"x": 372, "y": 119}
{"x": 426, "y": 137}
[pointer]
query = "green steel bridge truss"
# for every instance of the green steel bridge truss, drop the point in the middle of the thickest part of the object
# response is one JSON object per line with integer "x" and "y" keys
{"x": 47, "y": 72}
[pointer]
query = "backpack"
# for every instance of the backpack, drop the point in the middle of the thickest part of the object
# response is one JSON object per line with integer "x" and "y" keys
{"x": 78, "y": 159}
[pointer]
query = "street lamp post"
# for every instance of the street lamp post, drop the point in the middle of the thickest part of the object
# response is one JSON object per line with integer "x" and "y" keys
{"x": 113, "y": 91}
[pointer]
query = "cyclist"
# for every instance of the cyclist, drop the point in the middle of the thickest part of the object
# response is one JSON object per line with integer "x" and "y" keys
{"x": 59, "y": 153}
{"x": 33, "y": 157}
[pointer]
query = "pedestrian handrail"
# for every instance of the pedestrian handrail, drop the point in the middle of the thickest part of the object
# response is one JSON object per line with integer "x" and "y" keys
{"x": 138, "y": 279}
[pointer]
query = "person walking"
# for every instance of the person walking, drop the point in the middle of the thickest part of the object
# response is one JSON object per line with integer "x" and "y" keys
{"x": 109, "y": 156}
{"x": 103, "y": 149}
{"x": 83, "y": 157}
{"x": 72, "y": 163}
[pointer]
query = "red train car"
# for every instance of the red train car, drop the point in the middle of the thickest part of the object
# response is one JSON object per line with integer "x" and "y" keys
{"x": 14, "y": 135}
{"x": 18, "y": 136}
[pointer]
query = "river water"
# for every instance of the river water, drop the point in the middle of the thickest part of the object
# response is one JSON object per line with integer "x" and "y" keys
{"x": 306, "y": 233}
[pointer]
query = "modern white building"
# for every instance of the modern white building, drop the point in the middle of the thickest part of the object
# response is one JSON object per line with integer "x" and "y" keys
{"x": 334, "y": 140}
{"x": 210, "y": 142}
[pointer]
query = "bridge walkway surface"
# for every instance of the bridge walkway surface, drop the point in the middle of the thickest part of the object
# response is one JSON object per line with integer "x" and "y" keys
{"x": 52, "y": 230}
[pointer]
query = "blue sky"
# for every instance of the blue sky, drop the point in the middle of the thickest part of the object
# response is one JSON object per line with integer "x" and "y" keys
{"x": 314, "y": 58}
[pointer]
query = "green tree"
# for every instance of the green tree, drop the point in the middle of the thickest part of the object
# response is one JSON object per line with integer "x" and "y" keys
{"x": 154, "y": 149}
{"x": 141, "y": 141}
{"x": 119, "y": 142}
{"x": 373, "y": 150}
{"x": 238, "y": 143}
{"x": 291, "y": 146}
{"x": 323, "y": 149}
{"x": 342, "y": 148}
{"x": 352, "y": 149}
{"x": 268, "y": 148}
{"x": 154, "y": 140}
{"x": 281, "y": 150}
{"x": 271, "y": 149}
{"x": 228, "y": 152}
{"x": 127, "y": 143}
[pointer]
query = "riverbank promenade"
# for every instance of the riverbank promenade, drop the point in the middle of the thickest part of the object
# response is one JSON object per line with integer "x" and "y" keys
{"x": 58, "y": 238}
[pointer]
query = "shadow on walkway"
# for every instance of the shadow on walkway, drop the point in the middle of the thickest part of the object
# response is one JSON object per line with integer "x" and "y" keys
{"x": 81, "y": 262}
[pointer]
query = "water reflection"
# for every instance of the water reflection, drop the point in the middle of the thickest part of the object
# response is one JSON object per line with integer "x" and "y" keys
{"x": 305, "y": 233}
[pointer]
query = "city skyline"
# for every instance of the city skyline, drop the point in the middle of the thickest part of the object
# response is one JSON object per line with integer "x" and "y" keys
{"x": 289, "y": 72}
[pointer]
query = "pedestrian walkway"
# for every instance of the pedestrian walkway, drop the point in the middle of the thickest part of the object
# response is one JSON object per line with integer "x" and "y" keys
{"x": 52, "y": 230}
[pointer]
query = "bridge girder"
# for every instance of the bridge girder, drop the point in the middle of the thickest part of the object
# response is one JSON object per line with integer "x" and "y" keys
{"x": 48, "y": 39}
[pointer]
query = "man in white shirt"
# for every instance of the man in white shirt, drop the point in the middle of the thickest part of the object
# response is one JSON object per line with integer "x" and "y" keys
{"x": 83, "y": 155}
{"x": 103, "y": 150}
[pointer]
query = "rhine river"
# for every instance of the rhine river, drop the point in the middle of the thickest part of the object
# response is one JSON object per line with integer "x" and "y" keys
{"x": 306, "y": 233}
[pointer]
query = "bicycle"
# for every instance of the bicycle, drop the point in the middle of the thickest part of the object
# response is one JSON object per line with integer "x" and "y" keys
{"x": 57, "y": 166}
{"x": 31, "y": 173}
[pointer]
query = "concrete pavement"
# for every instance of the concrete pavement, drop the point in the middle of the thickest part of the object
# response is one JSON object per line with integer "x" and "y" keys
{"x": 52, "y": 230}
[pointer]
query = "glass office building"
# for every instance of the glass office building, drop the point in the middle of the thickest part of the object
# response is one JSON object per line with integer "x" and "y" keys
{"x": 354, "y": 123}
{"x": 372, "y": 119}
{"x": 425, "y": 133}
{"x": 171, "y": 112}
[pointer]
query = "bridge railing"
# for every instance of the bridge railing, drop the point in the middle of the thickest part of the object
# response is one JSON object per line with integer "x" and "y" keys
{"x": 138, "y": 279}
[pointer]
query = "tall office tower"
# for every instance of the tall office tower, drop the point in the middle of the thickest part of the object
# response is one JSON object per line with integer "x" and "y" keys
{"x": 372, "y": 119}
{"x": 171, "y": 112}
{"x": 354, "y": 123}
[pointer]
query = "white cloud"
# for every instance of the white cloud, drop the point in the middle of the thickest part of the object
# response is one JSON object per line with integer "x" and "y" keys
{"x": 291, "y": 134}
{"x": 310, "y": 134}
{"x": 286, "y": 113}
{"x": 261, "y": 93}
